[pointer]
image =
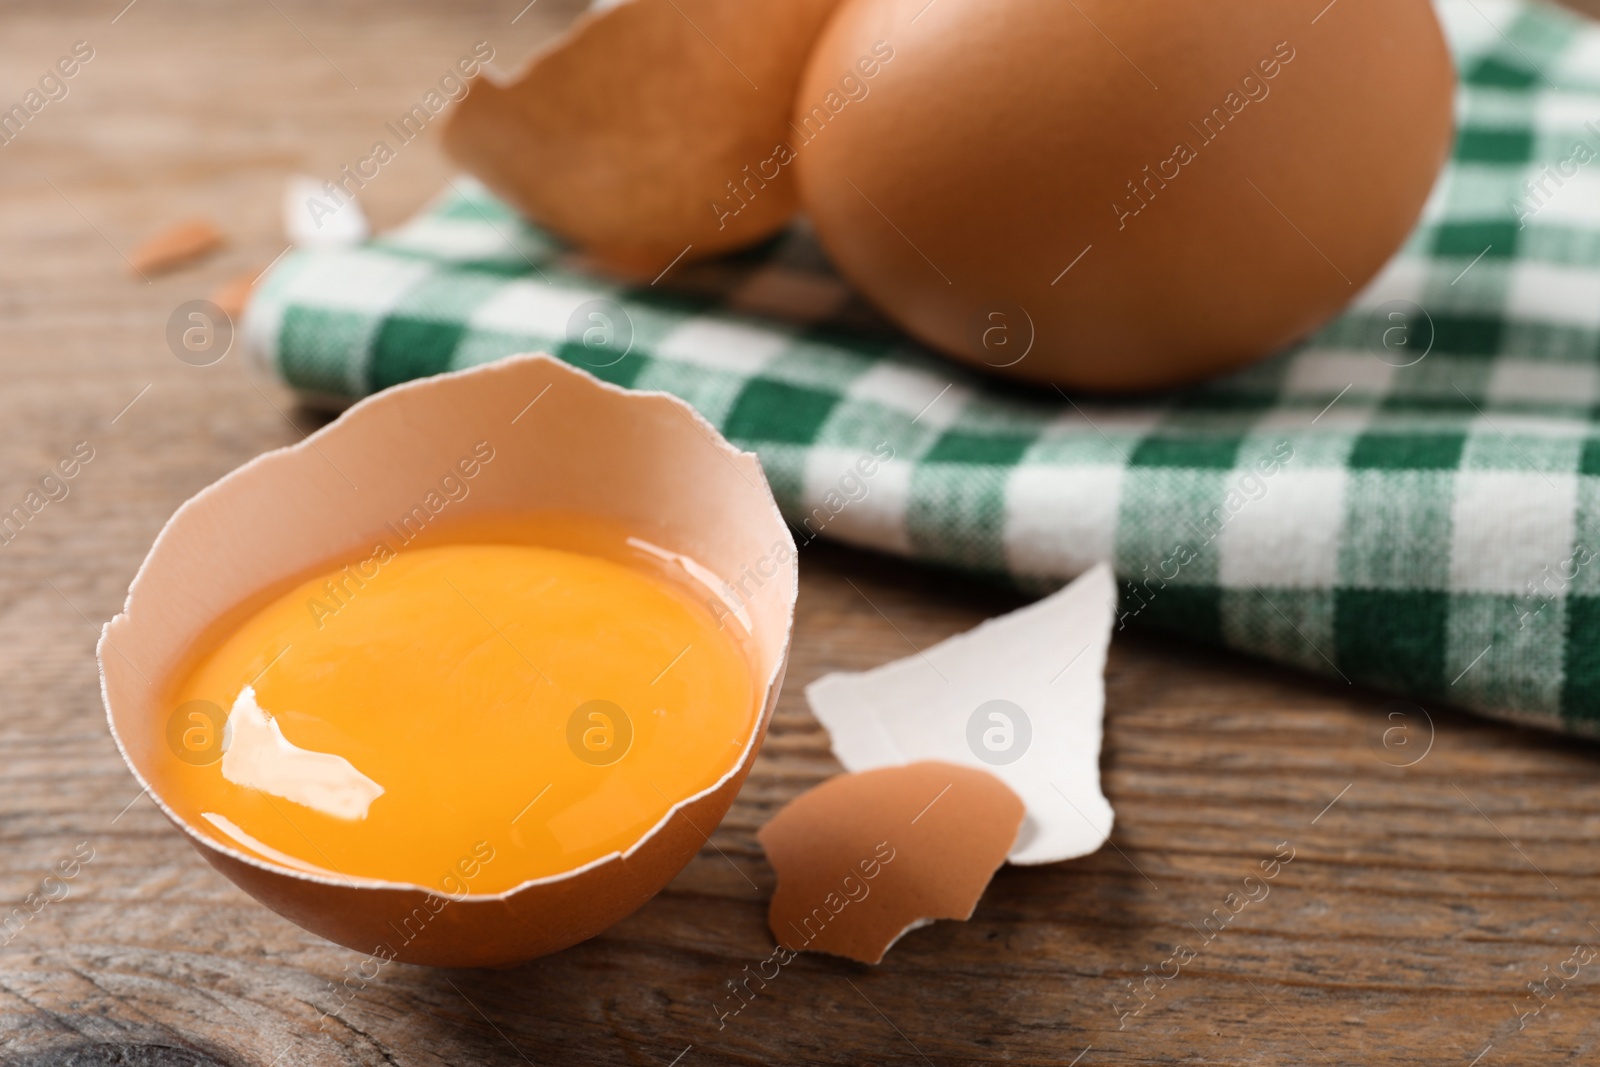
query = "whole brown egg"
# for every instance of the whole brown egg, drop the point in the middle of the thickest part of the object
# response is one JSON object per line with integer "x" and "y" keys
{"x": 1118, "y": 195}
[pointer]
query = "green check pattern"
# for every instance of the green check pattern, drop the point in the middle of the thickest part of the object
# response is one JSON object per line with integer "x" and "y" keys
{"x": 1409, "y": 501}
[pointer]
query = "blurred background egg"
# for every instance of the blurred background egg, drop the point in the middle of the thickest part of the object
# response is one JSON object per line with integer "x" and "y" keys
{"x": 1119, "y": 196}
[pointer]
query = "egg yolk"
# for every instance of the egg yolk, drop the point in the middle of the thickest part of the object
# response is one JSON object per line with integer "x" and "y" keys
{"x": 462, "y": 716}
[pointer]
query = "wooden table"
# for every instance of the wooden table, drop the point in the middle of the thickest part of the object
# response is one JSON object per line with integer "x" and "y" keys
{"x": 1420, "y": 902}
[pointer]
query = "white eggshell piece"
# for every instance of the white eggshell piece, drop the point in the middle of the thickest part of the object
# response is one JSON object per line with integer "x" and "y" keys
{"x": 1046, "y": 662}
{"x": 315, "y": 217}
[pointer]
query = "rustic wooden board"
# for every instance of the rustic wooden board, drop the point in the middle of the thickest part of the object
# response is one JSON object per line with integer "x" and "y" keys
{"x": 1420, "y": 901}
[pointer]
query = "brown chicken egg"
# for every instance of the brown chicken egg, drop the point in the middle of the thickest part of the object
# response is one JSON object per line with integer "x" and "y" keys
{"x": 1119, "y": 196}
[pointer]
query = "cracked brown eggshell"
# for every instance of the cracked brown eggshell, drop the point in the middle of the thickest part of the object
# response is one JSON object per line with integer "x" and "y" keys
{"x": 865, "y": 858}
{"x": 1122, "y": 196}
{"x": 649, "y": 131}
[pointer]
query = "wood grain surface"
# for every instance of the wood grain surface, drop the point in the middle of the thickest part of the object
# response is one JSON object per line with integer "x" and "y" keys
{"x": 1420, "y": 902}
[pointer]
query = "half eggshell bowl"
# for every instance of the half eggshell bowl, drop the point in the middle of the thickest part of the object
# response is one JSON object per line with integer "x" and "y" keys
{"x": 567, "y": 441}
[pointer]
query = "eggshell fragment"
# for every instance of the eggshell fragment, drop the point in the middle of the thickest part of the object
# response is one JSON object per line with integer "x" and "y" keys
{"x": 649, "y": 132}
{"x": 1022, "y": 697}
{"x": 176, "y": 246}
{"x": 318, "y": 216}
{"x": 1114, "y": 195}
{"x": 864, "y": 858}
{"x": 564, "y": 440}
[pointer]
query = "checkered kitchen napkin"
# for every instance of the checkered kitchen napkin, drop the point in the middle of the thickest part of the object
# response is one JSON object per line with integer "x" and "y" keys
{"x": 1411, "y": 500}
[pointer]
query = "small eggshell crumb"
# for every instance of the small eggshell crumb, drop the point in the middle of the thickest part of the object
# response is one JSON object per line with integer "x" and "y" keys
{"x": 864, "y": 858}
{"x": 177, "y": 246}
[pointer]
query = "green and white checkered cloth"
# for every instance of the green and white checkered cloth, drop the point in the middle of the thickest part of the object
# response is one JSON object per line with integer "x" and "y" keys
{"x": 1411, "y": 500}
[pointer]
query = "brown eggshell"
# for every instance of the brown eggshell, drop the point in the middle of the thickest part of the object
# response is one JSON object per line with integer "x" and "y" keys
{"x": 176, "y": 246}
{"x": 627, "y": 133}
{"x": 983, "y": 194}
{"x": 567, "y": 441}
{"x": 864, "y": 858}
